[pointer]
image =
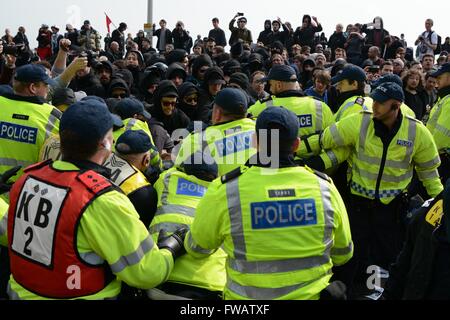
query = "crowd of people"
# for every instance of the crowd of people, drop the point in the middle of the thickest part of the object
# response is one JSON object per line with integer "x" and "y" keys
{"x": 111, "y": 158}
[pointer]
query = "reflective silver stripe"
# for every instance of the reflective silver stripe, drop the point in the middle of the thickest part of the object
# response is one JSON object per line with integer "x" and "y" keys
{"x": 433, "y": 121}
{"x": 328, "y": 214}
{"x": 54, "y": 116}
{"x": 165, "y": 193}
{"x": 4, "y": 224}
{"x": 443, "y": 130}
{"x": 135, "y": 257}
{"x": 412, "y": 129}
{"x": 269, "y": 103}
{"x": 389, "y": 163}
{"x": 11, "y": 293}
{"x": 277, "y": 266}
{"x": 363, "y": 133}
{"x": 336, "y": 136}
{"x": 194, "y": 247}
{"x": 14, "y": 162}
{"x": 237, "y": 227}
{"x": 169, "y": 227}
{"x": 385, "y": 178}
{"x": 130, "y": 124}
{"x": 333, "y": 158}
{"x": 258, "y": 293}
{"x": 429, "y": 164}
{"x": 342, "y": 251}
{"x": 176, "y": 209}
{"x": 428, "y": 175}
{"x": 343, "y": 109}
{"x": 92, "y": 258}
{"x": 319, "y": 115}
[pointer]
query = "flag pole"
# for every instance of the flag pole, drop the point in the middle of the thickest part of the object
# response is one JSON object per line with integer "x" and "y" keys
{"x": 150, "y": 20}
{"x": 111, "y": 20}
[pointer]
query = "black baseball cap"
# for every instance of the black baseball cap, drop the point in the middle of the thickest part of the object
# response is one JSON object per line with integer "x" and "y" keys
{"x": 443, "y": 69}
{"x": 281, "y": 73}
{"x": 387, "y": 91}
{"x": 350, "y": 72}
{"x": 232, "y": 100}
{"x": 283, "y": 117}
{"x": 134, "y": 142}
{"x": 128, "y": 107}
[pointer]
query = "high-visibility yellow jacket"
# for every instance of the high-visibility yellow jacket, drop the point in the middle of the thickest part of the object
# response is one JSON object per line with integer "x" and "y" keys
{"x": 179, "y": 195}
{"x": 314, "y": 116}
{"x": 439, "y": 124}
{"x": 110, "y": 231}
{"x": 283, "y": 230}
{"x": 230, "y": 144}
{"x": 380, "y": 171}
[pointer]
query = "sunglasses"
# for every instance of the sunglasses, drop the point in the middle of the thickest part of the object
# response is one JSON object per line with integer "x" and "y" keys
{"x": 202, "y": 70}
{"x": 190, "y": 100}
{"x": 168, "y": 103}
{"x": 117, "y": 96}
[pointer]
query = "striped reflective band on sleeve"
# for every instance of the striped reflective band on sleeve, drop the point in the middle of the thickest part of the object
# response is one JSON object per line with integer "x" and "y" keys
{"x": 319, "y": 115}
{"x": 4, "y": 224}
{"x": 14, "y": 162}
{"x": 54, "y": 116}
{"x": 428, "y": 175}
{"x": 342, "y": 251}
{"x": 92, "y": 258}
{"x": 176, "y": 209}
{"x": 344, "y": 108}
{"x": 333, "y": 158}
{"x": 443, "y": 130}
{"x": 336, "y": 136}
{"x": 165, "y": 193}
{"x": 328, "y": 214}
{"x": 429, "y": 164}
{"x": 194, "y": 247}
{"x": 386, "y": 177}
{"x": 135, "y": 257}
{"x": 235, "y": 212}
{"x": 167, "y": 226}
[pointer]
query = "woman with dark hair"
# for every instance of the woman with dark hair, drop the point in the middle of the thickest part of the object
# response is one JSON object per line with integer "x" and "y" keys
{"x": 304, "y": 35}
{"x": 415, "y": 95}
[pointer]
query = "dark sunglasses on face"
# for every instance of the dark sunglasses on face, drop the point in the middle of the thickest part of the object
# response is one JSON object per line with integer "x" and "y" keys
{"x": 169, "y": 103}
{"x": 191, "y": 100}
{"x": 202, "y": 70}
{"x": 117, "y": 96}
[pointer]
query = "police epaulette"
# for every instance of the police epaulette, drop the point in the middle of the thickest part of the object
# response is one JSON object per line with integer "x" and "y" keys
{"x": 269, "y": 98}
{"x": 320, "y": 174}
{"x": 231, "y": 175}
{"x": 360, "y": 101}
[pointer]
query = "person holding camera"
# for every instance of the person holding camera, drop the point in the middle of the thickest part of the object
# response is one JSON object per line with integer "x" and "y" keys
{"x": 180, "y": 37}
{"x": 427, "y": 41}
{"x": 241, "y": 32}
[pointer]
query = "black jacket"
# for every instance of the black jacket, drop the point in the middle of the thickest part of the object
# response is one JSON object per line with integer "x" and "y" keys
{"x": 119, "y": 37}
{"x": 337, "y": 40}
{"x": 180, "y": 39}
{"x": 89, "y": 84}
{"x": 305, "y": 37}
{"x": 422, "y": 270}
{"x": 168, "y": 33}
{"x": 219, "y": 36}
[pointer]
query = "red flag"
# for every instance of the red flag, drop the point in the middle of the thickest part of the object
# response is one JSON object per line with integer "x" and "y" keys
{"x": 108, "y": 23}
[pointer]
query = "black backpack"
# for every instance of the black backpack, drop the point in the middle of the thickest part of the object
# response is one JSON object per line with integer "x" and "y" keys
{"x": 439, "y": 42}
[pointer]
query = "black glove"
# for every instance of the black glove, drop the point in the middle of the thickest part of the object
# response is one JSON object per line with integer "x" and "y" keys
{"x": 173, "y": 243}
{"x": 4, "y": 185}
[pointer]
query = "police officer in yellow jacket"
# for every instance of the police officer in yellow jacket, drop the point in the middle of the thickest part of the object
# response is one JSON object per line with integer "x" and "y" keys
{"x": 71, "y": 233}
{"x": 282, "y": 226}
{"x": 135, "y": 117}
{"x": 228, "y": 140}
{"x": 180, "y": 190}
{"x": 128, "y": 165}
{"x": 386, "y": 147}
{"x": 26, "y": 121}
{"x": 439, "y": 123}
{"x": 314, "y": 115}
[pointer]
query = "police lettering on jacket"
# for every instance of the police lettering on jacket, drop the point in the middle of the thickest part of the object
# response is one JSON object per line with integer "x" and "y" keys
{"x": 15, "y": 132}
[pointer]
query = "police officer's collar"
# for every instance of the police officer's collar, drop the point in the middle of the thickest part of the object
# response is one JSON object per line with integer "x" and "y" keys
{"x": 15, "y": 97}
{"x": 291, "y": 93}
{"x": 85, "y": 165}
{"x": 285, "y": 161}
{"x": 384, "y": 132}
{"x": 444, "y": 92}
{"x": 347, "y": 95}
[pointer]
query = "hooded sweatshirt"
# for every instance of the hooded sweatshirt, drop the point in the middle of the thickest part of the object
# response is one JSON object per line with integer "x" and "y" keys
{"x": 264, "y": 36}
{"x": 178, "y": 120}
{"x": 118, "y": 83}
{"x": 194, "y": 113}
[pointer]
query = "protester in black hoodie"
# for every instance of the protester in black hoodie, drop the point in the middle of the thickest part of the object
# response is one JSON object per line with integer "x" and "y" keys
{"x": 176, "y": 74}
{"x": 164, "y": 109}
{"x": 135, "y": 64}
{"x": 118, "y": 89}
{"x": 214, "y": 82}
{"x": 199, "y": 67}
{"x": 188, "y": 101}
{"x": 264, "y": 36}
{"x": 86, "y": 81}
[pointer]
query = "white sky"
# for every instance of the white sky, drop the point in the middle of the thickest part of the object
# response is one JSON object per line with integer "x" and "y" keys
{"x": 406, "y": 17}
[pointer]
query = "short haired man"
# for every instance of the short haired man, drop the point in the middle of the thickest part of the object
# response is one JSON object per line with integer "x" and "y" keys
{"x": 427, "y": 62}
{"x": 217, "y": 34}
{"x": 427, "y": 41}
{"x": 387, "y": 68}
{"x": 241, "y": 32}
